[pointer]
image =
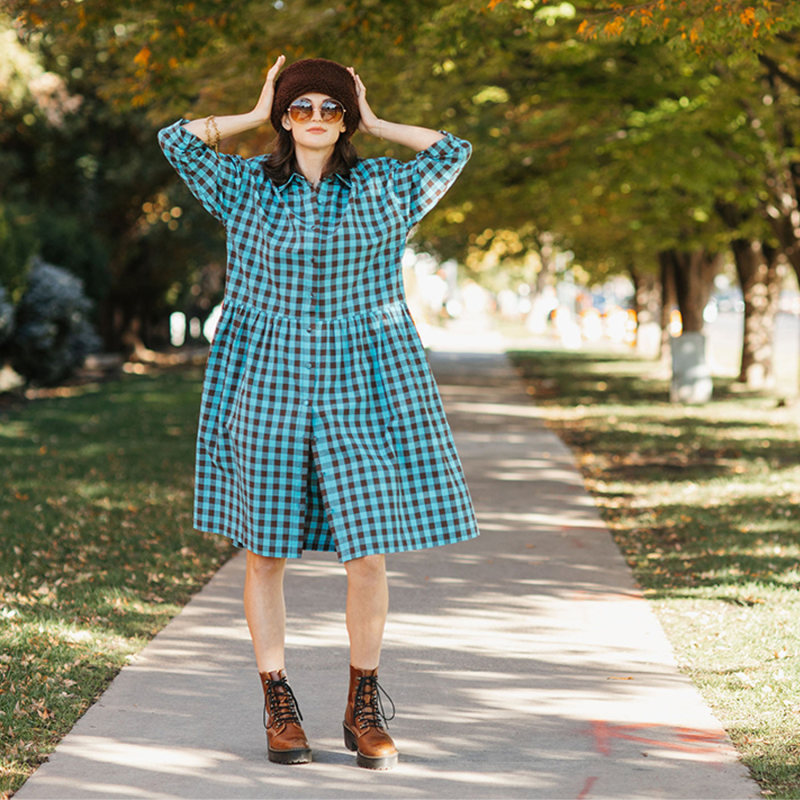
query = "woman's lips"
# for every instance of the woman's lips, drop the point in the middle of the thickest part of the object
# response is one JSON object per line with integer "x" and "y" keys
{"x": 315, "y": 130}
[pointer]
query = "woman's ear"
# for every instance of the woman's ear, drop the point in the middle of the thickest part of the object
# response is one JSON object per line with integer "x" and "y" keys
{"x": 286, "y": 122}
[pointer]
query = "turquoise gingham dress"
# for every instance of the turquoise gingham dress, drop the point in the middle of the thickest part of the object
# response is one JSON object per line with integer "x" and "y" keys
{"x": 321, "y": 426}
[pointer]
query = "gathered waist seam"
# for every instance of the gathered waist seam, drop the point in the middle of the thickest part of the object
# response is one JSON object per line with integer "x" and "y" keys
{"x": 310, "y": 316}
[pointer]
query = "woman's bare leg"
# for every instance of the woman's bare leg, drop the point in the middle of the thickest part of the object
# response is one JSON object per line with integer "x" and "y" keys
{"x": 367, "y": 606}
{"x": 265, "y": 609}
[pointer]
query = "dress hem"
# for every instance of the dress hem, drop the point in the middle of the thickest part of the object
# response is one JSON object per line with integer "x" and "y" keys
{"x": 368, "y": 551}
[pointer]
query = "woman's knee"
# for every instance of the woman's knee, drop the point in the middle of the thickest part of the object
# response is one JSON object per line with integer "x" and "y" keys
{"x": 264, "y": 567}
{"x": 367, "y": 568}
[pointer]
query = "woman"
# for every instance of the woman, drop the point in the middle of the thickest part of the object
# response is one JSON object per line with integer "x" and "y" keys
{"x": 321, "y": 427}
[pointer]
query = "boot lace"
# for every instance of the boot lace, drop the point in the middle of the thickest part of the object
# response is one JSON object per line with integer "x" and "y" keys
{"x": 370, "y": 713}
{"x": 283, "y": 707}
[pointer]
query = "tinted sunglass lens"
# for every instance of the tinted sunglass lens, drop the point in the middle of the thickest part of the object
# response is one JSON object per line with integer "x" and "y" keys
{"x": 301, "y": 110}
{"x": 331, "y": 111}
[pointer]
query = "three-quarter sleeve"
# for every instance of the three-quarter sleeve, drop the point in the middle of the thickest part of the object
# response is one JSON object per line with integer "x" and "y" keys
{"x": 418, "y": 185}
{"x": 213, "y": 178}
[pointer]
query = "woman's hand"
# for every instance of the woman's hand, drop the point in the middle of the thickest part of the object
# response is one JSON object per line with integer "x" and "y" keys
{"x": 409, "y": 135}
{"x": 369, "y": 120}
{"x": 263, "y": 108}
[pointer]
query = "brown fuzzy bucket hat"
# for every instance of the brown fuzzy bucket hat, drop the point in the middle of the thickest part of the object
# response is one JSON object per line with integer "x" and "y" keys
{"x": 316, "y": 75}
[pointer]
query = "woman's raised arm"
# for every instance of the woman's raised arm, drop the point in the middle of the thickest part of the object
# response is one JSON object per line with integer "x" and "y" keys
{"x": 413, "y": 136}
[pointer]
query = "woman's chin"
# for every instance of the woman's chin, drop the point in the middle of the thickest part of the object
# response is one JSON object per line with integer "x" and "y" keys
{"x": 316, "y": 141}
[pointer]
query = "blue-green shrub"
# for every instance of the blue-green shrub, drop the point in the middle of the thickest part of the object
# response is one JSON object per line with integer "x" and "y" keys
{"x": 52, "y": 332}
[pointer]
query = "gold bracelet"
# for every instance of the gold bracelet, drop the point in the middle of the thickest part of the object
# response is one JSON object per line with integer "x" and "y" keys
{"x": 213, "y": 141}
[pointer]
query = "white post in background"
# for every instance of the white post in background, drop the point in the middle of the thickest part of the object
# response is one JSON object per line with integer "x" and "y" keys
{"x": 691, "y": 375}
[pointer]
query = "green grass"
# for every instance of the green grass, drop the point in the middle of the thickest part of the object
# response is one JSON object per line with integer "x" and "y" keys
{"x": 98, "y": 551}
{"x": 704, "y": 502}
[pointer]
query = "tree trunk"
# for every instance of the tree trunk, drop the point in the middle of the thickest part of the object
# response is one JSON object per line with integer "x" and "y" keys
{"x": 649, "y": 315}
{"x": 760, "y": 278}
{"x": 669, "y": 300}
{"x": 782, "y": 207}
{"x": 786, "y": 232}
{"x": 693, "y": 273}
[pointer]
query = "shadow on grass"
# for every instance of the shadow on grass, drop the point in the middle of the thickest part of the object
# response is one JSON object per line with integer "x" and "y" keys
{"x": 628, "y": 420}
{"x": 696, "y": 498}
{"x": 98, "y": 547}
{"x": 97, "y": 516}
{"x": 586, "y": 378}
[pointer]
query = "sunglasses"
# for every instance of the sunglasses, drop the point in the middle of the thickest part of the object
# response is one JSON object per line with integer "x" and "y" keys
{"x": 303, "y": 109}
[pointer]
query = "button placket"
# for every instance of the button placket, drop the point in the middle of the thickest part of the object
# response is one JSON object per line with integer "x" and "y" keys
{"x": 308, "y": 363}
{"x": 304, "y": 322}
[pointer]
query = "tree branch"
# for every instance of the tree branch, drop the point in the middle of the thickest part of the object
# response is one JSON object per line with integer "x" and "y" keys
{"x": 776, "y": 70}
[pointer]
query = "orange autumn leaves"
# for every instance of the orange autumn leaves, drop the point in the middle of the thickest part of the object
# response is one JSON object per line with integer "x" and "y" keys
{"x": 695, "y": 21}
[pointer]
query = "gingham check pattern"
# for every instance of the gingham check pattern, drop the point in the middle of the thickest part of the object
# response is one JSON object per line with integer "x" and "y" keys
{"x": 321, "y": 426}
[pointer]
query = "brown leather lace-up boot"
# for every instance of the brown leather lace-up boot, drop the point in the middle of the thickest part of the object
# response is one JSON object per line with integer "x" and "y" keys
{"x": 364, "y": 719}
{"x": 286, "y": 741}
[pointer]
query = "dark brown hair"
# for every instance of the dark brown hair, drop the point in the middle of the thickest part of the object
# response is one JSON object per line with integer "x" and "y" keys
{"x": 282, "y": 162}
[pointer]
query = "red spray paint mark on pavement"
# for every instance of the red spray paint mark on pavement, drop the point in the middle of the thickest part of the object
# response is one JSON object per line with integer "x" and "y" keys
{"x": 587, "y": 787}
{"x": 685, "y": 740}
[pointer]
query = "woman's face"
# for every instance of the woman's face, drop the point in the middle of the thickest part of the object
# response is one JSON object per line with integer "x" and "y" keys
{"x": 315, "y": 133}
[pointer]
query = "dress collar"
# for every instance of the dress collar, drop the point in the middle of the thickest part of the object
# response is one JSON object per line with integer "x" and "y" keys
{"x": 296, "y": 176}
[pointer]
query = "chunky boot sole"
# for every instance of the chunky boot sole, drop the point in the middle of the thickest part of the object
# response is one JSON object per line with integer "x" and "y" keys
{"x": 300, "y": 755}
{"x": 368, "y": 762}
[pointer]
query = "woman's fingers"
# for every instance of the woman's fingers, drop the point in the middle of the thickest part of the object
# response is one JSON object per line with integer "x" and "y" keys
{"x": 273, "y": 70}
{"x": 369, "y": 121}
{"x": 360, "y": 88}
{"x": 264, "y": 104}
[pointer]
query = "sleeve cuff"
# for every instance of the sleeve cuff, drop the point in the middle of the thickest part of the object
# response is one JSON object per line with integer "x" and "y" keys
{"x": 449, "y": 147}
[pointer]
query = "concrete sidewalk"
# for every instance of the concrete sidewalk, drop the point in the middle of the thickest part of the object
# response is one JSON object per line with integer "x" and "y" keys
{"x": 524, "y": 664}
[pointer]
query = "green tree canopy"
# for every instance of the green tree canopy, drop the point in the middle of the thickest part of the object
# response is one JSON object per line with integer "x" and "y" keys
{"x": 616, "y": 130}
